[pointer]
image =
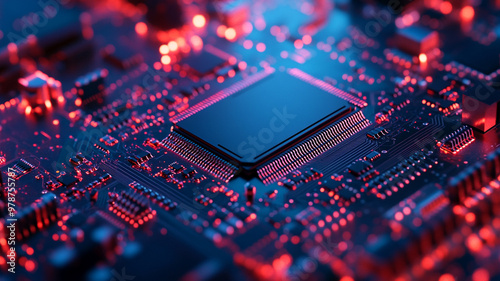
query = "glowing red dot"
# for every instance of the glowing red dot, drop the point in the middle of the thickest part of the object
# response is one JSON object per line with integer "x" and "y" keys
{"x": 445, "y": 7}
{"x": 29, "y": 265}
{"x": 141, "y": 28}
{"x": 230, "y": 34}
{"x": 467, "y": 13}
{"x": 199, "y": 21}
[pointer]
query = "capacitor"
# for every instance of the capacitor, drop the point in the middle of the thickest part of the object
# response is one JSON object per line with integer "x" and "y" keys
{"x": 35, "y": 89}
{"x": 250, "y": 193}
{"x": 38, "y": 89}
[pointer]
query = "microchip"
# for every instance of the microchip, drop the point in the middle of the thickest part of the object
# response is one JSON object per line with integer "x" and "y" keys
{"x": 91, "y": 84}
{"x": 359, "y": 168}
{"x": 377, "y": 133}
{"x": 442, "y": 105}
{"x": 176, "y": 167}
{"x": 264, "y": 119}
{"x": 438, "y": 85}
{"x": 140, "y": 157}
{"x": 198, "y": 178}
{"x": 67, "y": 180}
{"x": 165, "y": 173}
{"x": 108, "y": 140}
{"x": 372, "y": 156}
{"x": 21, "y": 168}
{"x": 483, "y": 58}
{"x": 189, "y": 172}
{"x": 203, "y": 63}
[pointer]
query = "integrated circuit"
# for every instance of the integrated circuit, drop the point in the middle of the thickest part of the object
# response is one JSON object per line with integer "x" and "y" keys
{"x": 68, "y": 180}
{"x": 483, "y": 58}
{"x": 203, "y": 63}
{"x": 21, "y": 168}
{"x": 263, "y": 120}
{"x": 140, "y": 157}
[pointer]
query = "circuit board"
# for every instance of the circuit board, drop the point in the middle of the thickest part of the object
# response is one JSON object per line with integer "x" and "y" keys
{"x": 249, "y": 140}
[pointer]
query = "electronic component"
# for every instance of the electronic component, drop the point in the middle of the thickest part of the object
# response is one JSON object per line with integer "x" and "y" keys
{"x": 250, "y": 193}
{"x": 280, "y": 122}
{"x": 480, "y": 57}
{"x": 108, "y": 140}
{"x": 131, "y": 207}
{"x": 91, "y": 85}
{"x": 457, "y": 140}
{"x": 372, "y": 156}
{"x": 376, "y": 134}
{"x": 480, "y": 107}
{"x": 445, "y": 106}
{"x": 416, "y": 40}
{"x": 37, "y": 216}
{"x": 360, "y": 167}
{"x": 21, "y": 168}
{"x": 40, "y": 90}
{"x": 473, "y": 178}
{"x": 203, "y": 63}
{"x": 68, "y": 180}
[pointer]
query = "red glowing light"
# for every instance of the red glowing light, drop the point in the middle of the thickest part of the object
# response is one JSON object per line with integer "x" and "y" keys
{"x": 221, "y": 30}
{"x": 446, "y": 7}
{"x": 230, "y": 34}
{"x": 166, "y": 59}
{"x": 467, "y": 13}
{"x": 29, "y": 265}
{"x": 446, "y": 277}
{"x": 196, "y": 42}
{"x": 261, "y": 47}
{"x": 141, "y": 28}
{"x": 298, "y": 44}
{"x": 306, "y": 39}
{"x": 173, "y": 46}
{"x": 164, "y": 49}
{"x": 422, "y": 58}
{"x": 199, "y": 21}
{"x": 29, "y": 251}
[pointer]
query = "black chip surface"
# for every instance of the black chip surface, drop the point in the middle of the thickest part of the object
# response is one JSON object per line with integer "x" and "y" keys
{"x": 264, "y": 119}
{"x": 203, "y": 63}
{"x": 359, "y": 168}
{"x": 482, "y": 58}
{"x": 67, "y": 180}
